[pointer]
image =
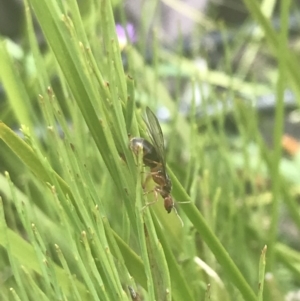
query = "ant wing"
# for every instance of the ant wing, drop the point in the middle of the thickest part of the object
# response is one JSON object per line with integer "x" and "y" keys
{"x": 156, "y": 135}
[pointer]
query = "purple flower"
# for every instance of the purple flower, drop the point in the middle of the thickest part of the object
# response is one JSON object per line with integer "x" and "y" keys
{"x": 121, "y": 33}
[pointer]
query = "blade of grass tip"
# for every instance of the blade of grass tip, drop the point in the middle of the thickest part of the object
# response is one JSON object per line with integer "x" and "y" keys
{"x": 207, "y": 293}
{"x": 110, "y": 270}
{"x": 46, "y": 264}
{"x": 35, "y": 290}
{"x": 261, "y": 273}
{"x": 15, "y": 295}
{"x": 72, "y": 6}
{"x": 116, "y": 252}
{"x": 85, "y": 274}
{"x": 68, "y": 272}
{"x": 93, "y": 271}
{"x": 212, "y": 241}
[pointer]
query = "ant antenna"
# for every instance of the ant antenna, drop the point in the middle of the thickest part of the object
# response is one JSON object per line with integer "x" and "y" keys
{"x": 180, "y": 219}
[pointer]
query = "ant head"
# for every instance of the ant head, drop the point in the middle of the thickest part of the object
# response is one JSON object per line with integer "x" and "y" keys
{"x": 169, "y": 204}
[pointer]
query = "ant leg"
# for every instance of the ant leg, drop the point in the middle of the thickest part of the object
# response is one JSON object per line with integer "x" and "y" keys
{"x": 148, "y": 177}
{"x": 156, "y": 190}
{"x": 151, "y": 203}
{"x": 148, "y": 204}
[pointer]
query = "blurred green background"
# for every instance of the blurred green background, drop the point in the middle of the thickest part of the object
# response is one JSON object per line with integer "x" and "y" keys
{"x": 223, "y": 80}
